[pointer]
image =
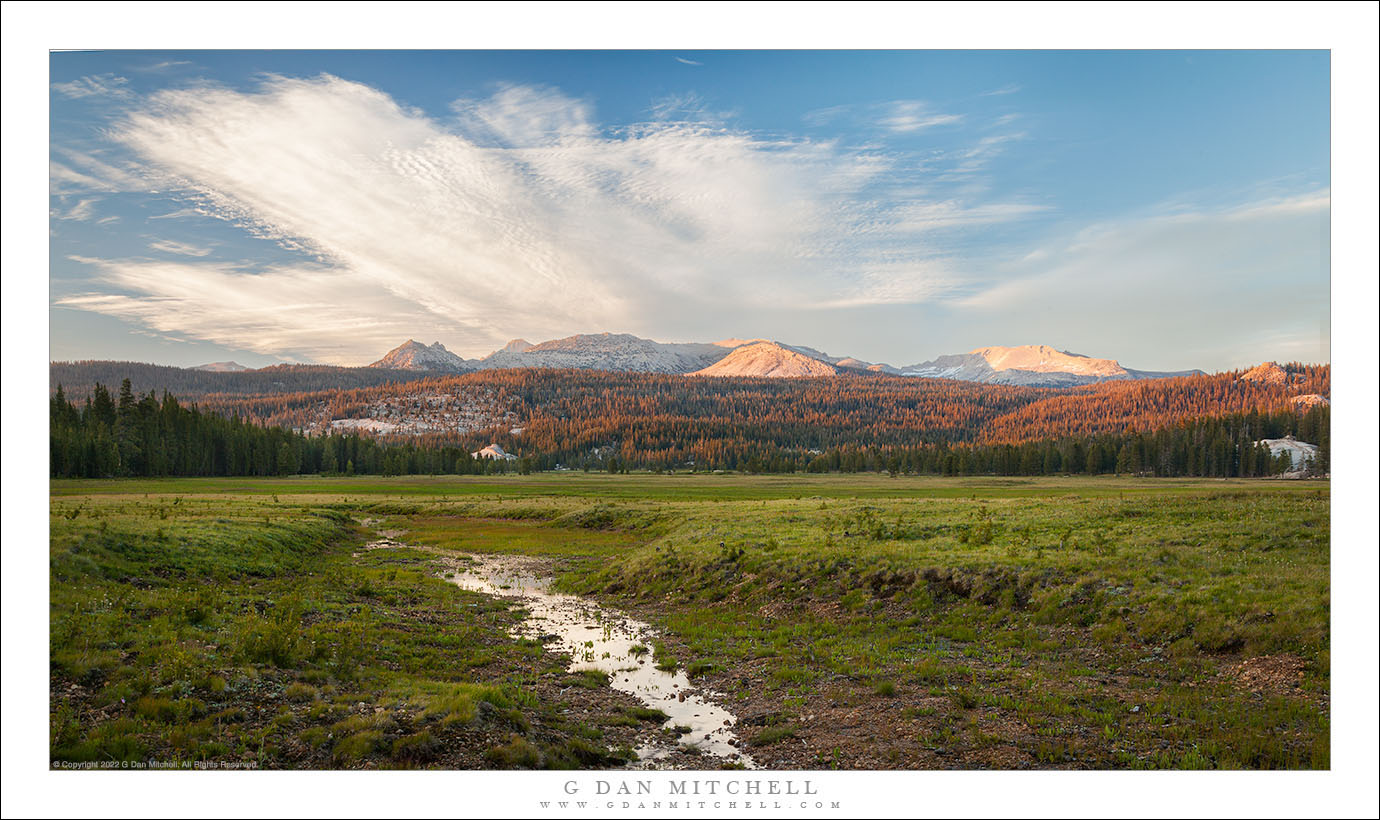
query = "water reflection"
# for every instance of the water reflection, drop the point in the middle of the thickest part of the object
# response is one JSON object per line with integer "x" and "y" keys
{"x": 599, "y": 638}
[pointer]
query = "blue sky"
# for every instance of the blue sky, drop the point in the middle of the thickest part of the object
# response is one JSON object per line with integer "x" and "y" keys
{"x": 1168, "y": 209}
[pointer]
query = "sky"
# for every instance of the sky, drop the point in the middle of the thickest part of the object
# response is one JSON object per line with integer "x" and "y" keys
{"x": 1168, "y": 209}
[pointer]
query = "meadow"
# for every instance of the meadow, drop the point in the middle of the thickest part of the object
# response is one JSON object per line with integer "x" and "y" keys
{"x": 853, "y": 621}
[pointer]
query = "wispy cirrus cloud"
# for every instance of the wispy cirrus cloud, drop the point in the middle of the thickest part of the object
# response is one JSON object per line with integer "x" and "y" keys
{"x": 894, "y": 116}
{"x": 161, "y": 66}
{"x": 1164, "y": 255}
{"x": 522, "y": 115}
{"x": 293, "y": 314}
{"x": 687, "y": 61}
{"x": 945, "y": 214}
{"x": 100, "y": 85}
{"x": 908, "y": 116}
{"x": 72, "y": 171}
{"x": 82, "y": 211}
{"x": 1260, "y": 268}
{"x": 179, "y": 248}
{"x": 688, "y": 106}
{"x": 521, "y": 212}
{"x": 180, "y": 213}
{"x": 975, "y": 158}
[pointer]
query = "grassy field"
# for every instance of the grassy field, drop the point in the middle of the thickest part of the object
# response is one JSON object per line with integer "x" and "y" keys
{"x": 849, "y": 621}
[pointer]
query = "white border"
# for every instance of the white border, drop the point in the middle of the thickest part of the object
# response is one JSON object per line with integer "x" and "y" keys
{"x": 30, "y": 30}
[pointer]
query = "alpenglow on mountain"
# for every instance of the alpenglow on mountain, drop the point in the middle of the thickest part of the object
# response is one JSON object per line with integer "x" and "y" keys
{"x": 770, "y": 360}
{"x": 1031, "y": 366}
{"x": 1025, "y": 365}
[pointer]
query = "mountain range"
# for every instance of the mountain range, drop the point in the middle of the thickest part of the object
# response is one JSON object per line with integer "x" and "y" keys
{"x": 1032, "y": 366}
{"x": 1025, "y": 365}
{"x": 222, "y": 367}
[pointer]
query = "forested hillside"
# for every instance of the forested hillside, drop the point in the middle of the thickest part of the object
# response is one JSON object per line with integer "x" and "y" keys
{"x": 583, "y": 419}
{"x": 128, "y": 435}
{"x": 1146, "y": 405}
{"x": 78, "y": 379}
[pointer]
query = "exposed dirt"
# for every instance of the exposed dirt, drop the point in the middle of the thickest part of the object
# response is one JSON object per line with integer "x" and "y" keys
{"x": 1269, "y": 674}
{"x": 845, "y": 723}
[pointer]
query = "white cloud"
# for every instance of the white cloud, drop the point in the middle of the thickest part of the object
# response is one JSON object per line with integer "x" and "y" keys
{"x": 521, "y": 215}
{"x": 297, "y": 314}
{"x": 82, "y": 211}
{"x": 165, "y": 65}
{"x": 687, "y": 107}
{"x": 688, "y": 62}
{"x": 179, "y": 248}
{"x": 63, "y": 179}
{"x": 85, "y": 171}
{"x": 908, "y": 116}
{"x": 938, "y": 215}
{"x": 520, "y": 116}
{"x": 976, "y": 158}
{"x": 895, "y": 116}
{"x": 100, "y": 85}
{"x": 180, "y": 213}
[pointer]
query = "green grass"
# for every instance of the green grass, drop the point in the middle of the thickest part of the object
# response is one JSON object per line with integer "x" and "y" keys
{"x": 1095, "y": 622}
{"x": 245, "y": 629}
{"x": 655, "y": 487}
{"x": 773, "y": 734}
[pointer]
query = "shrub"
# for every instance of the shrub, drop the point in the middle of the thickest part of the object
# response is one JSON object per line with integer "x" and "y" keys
{"x": 773, "y": 734}
{"x": 517, "y": 753}
{"x": 416, "y": 748}
{"x": 356, "y": 747}
{"x": 300, "y": 692}
{"x": 698, "y": 668}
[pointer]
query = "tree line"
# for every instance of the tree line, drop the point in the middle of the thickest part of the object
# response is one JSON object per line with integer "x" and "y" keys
{"x": 126, "y": 435}
{"x": 80, "y": 378}
{"x": 131, "y": 435}
{"x": 1217, "y": 447}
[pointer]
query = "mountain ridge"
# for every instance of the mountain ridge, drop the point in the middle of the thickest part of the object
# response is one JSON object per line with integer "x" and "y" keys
{"x": 768, "y": 360}
{"x": 1036, "y": 365}
{"x": 604, "y": 351}
{"x": 413, "y": 355}
{"x": 1031, "y": 366}
{"x": 222, "y": 367}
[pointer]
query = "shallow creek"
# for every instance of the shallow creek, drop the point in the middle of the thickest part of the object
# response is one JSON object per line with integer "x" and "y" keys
{"x": 597, "y": 637}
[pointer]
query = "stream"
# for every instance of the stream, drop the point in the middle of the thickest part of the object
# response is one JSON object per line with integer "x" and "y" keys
{"x": 603, "y": 639}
